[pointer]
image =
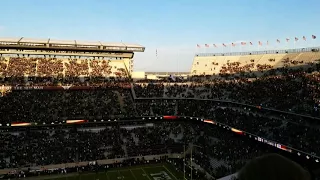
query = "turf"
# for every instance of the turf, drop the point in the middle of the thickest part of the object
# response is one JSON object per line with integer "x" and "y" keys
{"x": 149, "y": 172}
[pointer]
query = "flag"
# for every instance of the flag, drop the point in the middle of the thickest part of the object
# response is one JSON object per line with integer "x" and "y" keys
{"x": 304, "y": 38}
{"x": 198, "y": 45}
{"x": 278, "y": 41}
{"x": 207, "y": 45}
{"x": 233, "y": 44}
{"x": 260, "y": 43}
{"x": 314, "y": 37}
{"x": 267, "y": 42}
{"x": 224, "y": 45}
{"x": 287, "y": 39}
{"x": 243, "y": 43}
{"x": 214, "y": 45}
{"x": 296, "y": 39}
{"x": 251, "y": 43}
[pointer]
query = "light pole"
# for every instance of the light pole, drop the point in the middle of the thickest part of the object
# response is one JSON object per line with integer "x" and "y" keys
{"x": 184, "y": 161}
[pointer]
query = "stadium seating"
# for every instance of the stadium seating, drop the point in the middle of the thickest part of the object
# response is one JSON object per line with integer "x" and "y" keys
{"x": 210, "y": 65}
{"x": 287, "y": 82}
{"x": 59, "y": 67}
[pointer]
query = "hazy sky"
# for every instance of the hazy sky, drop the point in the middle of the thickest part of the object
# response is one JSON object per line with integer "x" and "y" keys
{"x": 173, "y": 27}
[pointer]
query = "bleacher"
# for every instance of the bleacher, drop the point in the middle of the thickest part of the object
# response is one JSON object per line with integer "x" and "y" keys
{"x": 233, "y": 63}
{"x": 61, "y": 67}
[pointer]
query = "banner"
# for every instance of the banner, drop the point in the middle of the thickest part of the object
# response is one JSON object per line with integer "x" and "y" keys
{"x": 24, "y": 88}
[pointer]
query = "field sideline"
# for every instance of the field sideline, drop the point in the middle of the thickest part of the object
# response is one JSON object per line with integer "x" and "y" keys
{"x": 145, "y": 172}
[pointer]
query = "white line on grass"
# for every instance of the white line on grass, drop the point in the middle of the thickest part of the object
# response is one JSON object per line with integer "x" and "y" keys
{"x": 120, "y": 175}
{"x": 134, "y": 169}
{"x": 107, "y": 176}
{"x": 170, "y": 172}
{"x": 146, "y": 173}
{"x": 133, "y": 175}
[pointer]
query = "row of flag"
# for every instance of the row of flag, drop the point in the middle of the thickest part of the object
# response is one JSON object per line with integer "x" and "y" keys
{"x": 260, "y": 43}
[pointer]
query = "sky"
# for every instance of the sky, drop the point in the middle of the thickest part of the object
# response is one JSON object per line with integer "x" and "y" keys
{"x": 172, "y": 28}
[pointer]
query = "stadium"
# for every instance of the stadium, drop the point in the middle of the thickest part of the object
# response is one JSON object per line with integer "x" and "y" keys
{"x": 77, "y": 110}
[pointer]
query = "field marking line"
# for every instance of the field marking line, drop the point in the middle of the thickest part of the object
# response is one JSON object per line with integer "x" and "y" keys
{"x": 146, "y": 173}
{"x": 151, "y": 167}
{"x": 120, "y": 175}
{"x": 107, "y": 176}
{"x": 169, "y": 172}
{"x": 134, "y": 169}
{"x": 133, "y": 175}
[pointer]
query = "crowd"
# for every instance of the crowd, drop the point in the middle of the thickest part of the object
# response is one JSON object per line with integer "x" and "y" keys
{"x": 50, "y": 71}
{"x": 49, "y": 106}
{"x": 217, "y": 151}
{"x": 292, "y": 90}
{"x": 58, "y": 146}
{"x": 274, "y": 126}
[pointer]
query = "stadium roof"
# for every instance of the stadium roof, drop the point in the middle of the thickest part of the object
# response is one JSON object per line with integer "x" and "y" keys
{"x": 68, "y": 42}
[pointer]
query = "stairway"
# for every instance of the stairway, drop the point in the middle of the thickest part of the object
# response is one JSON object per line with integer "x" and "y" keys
{"x": 120, "y": 100}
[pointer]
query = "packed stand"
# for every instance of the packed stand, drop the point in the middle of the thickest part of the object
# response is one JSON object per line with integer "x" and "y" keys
{"x": 58, "y": 146}
{"x": 293, "y": 90}
{"x": 48, "y": 71}
{"x": 274, "y": 126}
{"x": 48, "y": 106}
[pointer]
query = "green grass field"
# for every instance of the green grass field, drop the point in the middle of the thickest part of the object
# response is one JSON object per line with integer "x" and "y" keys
{"x": 149, "y": 172}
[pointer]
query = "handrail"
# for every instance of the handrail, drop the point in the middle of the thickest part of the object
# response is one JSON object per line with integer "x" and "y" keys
{"x": 283, "y": 51}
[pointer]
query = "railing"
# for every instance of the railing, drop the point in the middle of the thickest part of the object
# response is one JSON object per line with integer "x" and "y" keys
{"x": 285, "y": 51}
{"x": 232, "y": 102}
{"x": 84, "y": 163}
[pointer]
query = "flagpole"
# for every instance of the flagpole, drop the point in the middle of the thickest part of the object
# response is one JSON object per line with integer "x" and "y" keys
{"x": 196, "y": 50}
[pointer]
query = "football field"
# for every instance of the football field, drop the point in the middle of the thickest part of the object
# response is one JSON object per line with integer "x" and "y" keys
{"x": 150, "y": 172}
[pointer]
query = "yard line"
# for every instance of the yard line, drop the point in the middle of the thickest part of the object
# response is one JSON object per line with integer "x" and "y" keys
{"x": 145, "y": 173}
{"x": 120, "y": 175}
{"x": 170, "y": 172}
{"x": 107, "y": 176}
{"x": 133, "y": 175}
{"x": 152, "y": 167}
{"x": 134, "y": 169}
